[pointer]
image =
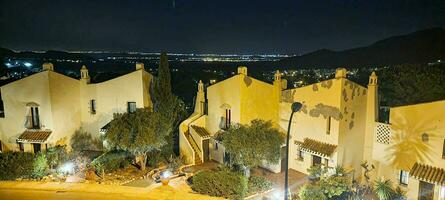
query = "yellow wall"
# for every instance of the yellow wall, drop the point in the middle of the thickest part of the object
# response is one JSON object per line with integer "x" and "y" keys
{"x": 342, "y": 100}
{"x": 15, "y": 97}
{"x": 408, "y": 123}
{"x": 226, "y": 92}
{"x": 64, "y": 104}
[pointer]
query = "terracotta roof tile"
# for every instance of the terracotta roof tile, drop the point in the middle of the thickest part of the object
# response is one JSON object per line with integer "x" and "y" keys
{"x": 428, "y": 173}
{"x": 316, "y": 147}
{"x": 34, "y": 136}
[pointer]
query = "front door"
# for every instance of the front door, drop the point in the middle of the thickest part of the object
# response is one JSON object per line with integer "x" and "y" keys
{"x": 316, "y": 160}
{"x": 205, "y": 149}
{"x": 426, "y": 191}
{"x": 36, "y": 147}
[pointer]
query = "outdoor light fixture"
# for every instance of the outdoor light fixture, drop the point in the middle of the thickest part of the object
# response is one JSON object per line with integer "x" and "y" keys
{"x": 296, "y": 106}
{"x": 67, "y": 168}
{"x": 166, "y": 174}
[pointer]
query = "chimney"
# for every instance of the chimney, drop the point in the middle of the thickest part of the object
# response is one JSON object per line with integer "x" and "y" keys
{"x": 139, "y": 66}
{"x": 48, "y": 66}
{"x": 340, "y": 73}
{"x": 242, "y": 70}
{"x": 84, "y": 74}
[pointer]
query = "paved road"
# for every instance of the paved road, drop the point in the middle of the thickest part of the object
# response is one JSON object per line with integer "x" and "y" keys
{"x": 54, "y": 195}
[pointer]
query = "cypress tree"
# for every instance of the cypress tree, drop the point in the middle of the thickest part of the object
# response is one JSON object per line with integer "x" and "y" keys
{"x": 169, "y": 106}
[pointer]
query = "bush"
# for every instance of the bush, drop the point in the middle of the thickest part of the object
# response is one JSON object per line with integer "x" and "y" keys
{"x": 259, "y": 184}
{"x": 82, "y": 141}
{"x": 15, "y": 165}
{"x": 40, "y": 166}
{"x": 311, "y": 192}
{"x": 56, "y": 156}
{"x": 335, "y": 186}
{"x": 220, "y": 183}
{"x": 111, "y": 161}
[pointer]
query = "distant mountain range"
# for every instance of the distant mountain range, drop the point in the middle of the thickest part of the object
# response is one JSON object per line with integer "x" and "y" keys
{"x": 419, "y": 47}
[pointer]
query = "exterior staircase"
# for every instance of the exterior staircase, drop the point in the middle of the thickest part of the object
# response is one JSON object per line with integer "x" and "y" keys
{"x": 195, "y": 147}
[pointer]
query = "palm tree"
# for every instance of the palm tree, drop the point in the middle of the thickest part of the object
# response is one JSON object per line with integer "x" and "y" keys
{"x": 383, "y": 189}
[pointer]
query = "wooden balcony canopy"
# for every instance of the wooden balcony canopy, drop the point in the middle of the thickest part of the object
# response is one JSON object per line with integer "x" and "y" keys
{"x": 316, "y": 147}
{"x": 34, "y": 136}
{"x": 428, "y": 173}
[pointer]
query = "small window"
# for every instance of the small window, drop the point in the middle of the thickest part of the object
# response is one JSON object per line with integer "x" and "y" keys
{"x": 21, "y": 147}
{"x": 326, "y": 162}
{"x": 300, "y": 155}
{"x": 228, "y": 118}
{"x": 425, "y": 137}
{"x": 131, "y": 107}
{"x": 93, "y": 106}
{"x": 35, "y": 118}
{"x": 216, "y": 145}
{"x": 328, "y": 126}
{"x": 404, "y": 177}
{"x": 2, "y": 109}
{"x": 443, "y": 151}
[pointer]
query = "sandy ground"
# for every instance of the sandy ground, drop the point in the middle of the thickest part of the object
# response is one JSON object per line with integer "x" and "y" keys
{"x": 176, "y": 190}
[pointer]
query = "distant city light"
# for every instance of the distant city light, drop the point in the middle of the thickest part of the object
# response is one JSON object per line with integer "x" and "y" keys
{"x": 8, "y": 65}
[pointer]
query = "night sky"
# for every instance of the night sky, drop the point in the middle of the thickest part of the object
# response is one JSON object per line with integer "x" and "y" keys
{"x": 210, "y": 26}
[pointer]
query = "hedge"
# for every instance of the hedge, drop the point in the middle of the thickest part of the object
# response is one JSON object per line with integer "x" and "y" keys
{"x": 258, "y": 184}
{"x": 221, "y": 183}
{"x": 111, "y": 161}
{"x": 16, "y": 165}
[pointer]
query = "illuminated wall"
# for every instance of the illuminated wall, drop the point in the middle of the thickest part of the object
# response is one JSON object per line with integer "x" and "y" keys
{"x": 64, "y": 104}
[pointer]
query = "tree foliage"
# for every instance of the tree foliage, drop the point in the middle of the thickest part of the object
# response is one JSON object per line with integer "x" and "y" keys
{"x": 40, "y": 166}
{"x": 169, "y": 106}
{"x": 311, "y": 192}
{"x": 411, "y": 84}
{"x": 250, "y": 145}
{"x": 82, "y": 141}
{"x": 138, "y": 133}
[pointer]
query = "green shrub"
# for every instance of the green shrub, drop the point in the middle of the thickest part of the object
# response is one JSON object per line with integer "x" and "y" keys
{"x": 311, "y": 192}
{"x": 258, "y": 184}
{"x": 40, "y": 166}
{"x": 56, "y": 156}
{"x": 111, "y": 161}
{"x": 221, "y": 183}
{"x": 335, "y": 186}
{"x": 15, "y": 165}
{"x": 82, "y": 141}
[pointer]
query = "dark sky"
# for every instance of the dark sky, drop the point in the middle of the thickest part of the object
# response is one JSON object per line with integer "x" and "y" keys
{"x": 210, "y": 26}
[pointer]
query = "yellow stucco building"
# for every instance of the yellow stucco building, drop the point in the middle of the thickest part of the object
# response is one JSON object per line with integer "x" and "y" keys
{"x": 329, "y": 129}
{"x": 337, "y": 125}
{"x": 46, "y": 108}
{"x": 410, "y": 150}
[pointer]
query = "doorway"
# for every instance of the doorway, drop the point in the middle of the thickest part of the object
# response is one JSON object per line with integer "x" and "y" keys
{"x": 426, "y": 191}
{"x": 316, "y": 160}
{"x": 205, "y": 149}
{"x": 37, "y": 147}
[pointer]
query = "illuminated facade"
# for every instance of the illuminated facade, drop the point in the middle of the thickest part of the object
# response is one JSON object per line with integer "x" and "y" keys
{"x": 46, "y": 108}
{"x": 332, "y": 119}
{"x": 410, "y": 150}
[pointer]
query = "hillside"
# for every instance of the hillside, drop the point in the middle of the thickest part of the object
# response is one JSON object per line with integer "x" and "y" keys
{"x": 418, "y": 47}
